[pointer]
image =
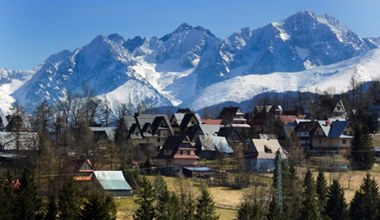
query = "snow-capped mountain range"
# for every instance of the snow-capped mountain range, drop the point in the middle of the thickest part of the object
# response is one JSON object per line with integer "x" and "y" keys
{"x": 191, "y": 67}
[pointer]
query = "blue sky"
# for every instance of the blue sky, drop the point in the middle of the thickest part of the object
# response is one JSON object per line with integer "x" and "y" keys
{"x": 30, "y": 31}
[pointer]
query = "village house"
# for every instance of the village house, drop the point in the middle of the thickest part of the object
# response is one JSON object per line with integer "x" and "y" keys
{"x": 85, "y": 172}
{"x": 304, "y": 133}
{"x": 235, "y": 128}
{"x": 332, "y": 137}
{"x": 213, "y": 147}
{"x": 148, "y": 128}
{"x": 113, "y": 182}
{"x": 261, "y": 153}
{"x": 339, "y": 111}
{"x": 184, "y": 121}
{"x": 103, "y": 135}
{"x": 178, "y": 150}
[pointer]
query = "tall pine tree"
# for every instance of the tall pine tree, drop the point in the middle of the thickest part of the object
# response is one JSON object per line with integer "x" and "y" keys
{"x": 336, "y": 207}
{"x": 205, "y": 209}
{"x": 70, "y": 201}
{"x": 6, "y": 198}
{"x": 321, "y": 190}
{"x": 310, "y": 208}
{"x": 27, "y": 202}
{"x": 250, "y": 209}
{"x": 145, "y": 199}
{"x": 168, "y": 206}
{"x": 98, "y": 207}
{"x": 52, "y": 209}
{"x": 362, "y": 154}
{"x": 365, "y": 204}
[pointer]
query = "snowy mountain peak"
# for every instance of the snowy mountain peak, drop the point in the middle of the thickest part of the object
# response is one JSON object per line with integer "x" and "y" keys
{"x": 186, "y": 28}
{"x": 116, "y": 38}
{"x": 58, "y": 57}
{"x": 132, "y": 44}
{"x": 191, "y": 64}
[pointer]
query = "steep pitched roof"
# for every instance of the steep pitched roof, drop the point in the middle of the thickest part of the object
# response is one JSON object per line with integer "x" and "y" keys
{"x": 265, "y": 148}
{"x": 112, "y": 180}
{"x": 306, "y": 126}
{"x": 158, "y": 121}
{"x": 228, "y": 112}
{"x": 187, "y": 119}
{"x": 172, "y": 143}
{"x": 210, "y": 129}
{"x": 215, "y": 143}
{"x": 337, "y": 128}
{"x": 109, "y": 131}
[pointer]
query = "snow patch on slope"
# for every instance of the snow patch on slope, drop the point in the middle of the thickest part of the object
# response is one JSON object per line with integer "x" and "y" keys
{"x": 334, "y": 77}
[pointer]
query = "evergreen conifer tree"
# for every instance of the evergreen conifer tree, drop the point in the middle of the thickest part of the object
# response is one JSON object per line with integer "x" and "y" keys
{"x": 321, "y": 190}
{"x": 249, "y": 209}
{"x": 52, "y": 209}
{"x": 188, "y": 207}
{"x": 6, "y": 199}
{"x": 145, "y": 199}
{"x": 99, "y": 207}
{"x": 186, "y": 200}
{"x": 365, "y": 203}
{"x": 274, "y": 211}
{"x": 336, "y": 207}
{"x": 362, "y": 154}
{"x": 292, "y": 192}
{"x": 70, "y": 201}
{"x": 168, "y": 207}
{"x": 27, "y": 202}
{"x": 205, "y": 208}
{"x": 277, "y": 181}
{"x": 309, "y": 209}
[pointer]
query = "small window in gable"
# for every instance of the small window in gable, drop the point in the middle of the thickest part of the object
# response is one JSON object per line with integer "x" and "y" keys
{"x": 267, "y": 149}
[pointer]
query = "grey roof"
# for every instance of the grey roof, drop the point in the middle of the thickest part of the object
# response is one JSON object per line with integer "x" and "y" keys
{"x": 112, "y": 180}
{"x": 28, "y": 140}
{"x": 108, "y": 130}
{"x": 179, "y": 117}
{"x": 210, "y": 129}
{"x": 215, "y": 143}
{"x": 142, "y": 119}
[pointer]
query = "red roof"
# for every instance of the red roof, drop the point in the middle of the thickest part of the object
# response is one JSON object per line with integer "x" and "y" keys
{"x": 212, "y": 121}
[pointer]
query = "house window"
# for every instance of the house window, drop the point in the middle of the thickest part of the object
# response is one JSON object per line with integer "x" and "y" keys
{"x": 267, "y": 149}
{"x": 345, "y": 132}
{"x": 149, "y": 131}
{"x": 317, "y": 132}
{"x": 344, "y": 141}
{"x": 181, "y": 152}
{"x": 158, "y": 140}
{"x": 320, "y": 141}
{"x": 350, "y": 132}
{"x": 136, "y": 133}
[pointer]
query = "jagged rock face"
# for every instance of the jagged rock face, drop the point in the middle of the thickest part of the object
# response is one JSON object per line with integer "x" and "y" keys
{"x": 176, "y": 67}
